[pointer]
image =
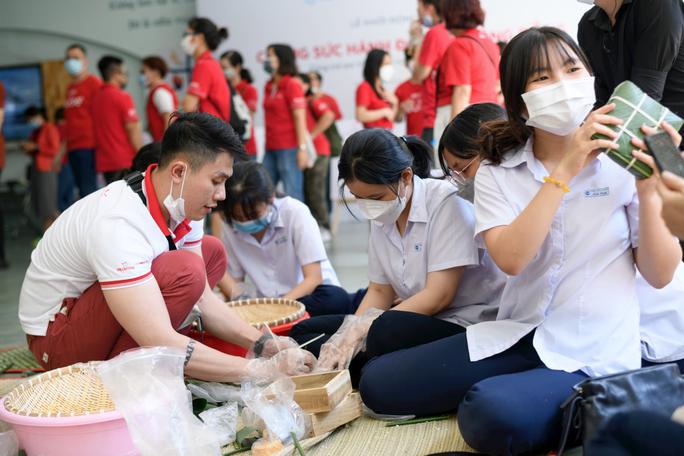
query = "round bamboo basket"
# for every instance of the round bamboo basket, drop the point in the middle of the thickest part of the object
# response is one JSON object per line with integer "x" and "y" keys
{"x": 268, "y": 311}
{"x": 70, "y": 391}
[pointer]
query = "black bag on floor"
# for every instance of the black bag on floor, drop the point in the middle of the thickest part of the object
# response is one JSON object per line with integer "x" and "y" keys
{"x": 658, "y": 389}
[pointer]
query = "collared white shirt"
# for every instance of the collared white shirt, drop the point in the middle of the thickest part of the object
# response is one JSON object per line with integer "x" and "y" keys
{"x": 108, "y": 237}
{"x": 275, "y": 264}
{"x": 662, "y": 319}
{"x": 438, "y": 236}
{"x": 579, "y": 289}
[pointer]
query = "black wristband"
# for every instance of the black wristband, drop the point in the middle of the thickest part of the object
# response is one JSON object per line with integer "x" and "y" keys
{"x": 259, "y": 344}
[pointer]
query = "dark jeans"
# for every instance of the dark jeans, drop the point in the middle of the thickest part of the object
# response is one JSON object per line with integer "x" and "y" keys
{"x": 65, "y": 185}
{"x": 331, "y": 300}
{"x": 507, "y": 404}
{"x": 82, "y": 163}
{"x": 281, "y": 166}
{"x": 638, "y": 433}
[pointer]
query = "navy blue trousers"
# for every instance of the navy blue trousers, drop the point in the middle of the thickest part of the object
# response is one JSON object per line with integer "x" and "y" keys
{"x": 638, "y": 433}
{"x": 331, "y": 299}
{"x": 507, "y": 404}
{"x": 82, "y": 162}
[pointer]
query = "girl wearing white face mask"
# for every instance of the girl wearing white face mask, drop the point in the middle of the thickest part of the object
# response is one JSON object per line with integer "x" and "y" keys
{"x": 423, "y": 264}
{"x": 208, "y": 90}
{"x": 241, "y": 80}
{"x": 568, "y": 226}
{"x": 376, "y": 106}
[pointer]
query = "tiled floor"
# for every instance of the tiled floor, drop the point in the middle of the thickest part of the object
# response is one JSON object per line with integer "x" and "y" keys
{"x": 348, "y": 254}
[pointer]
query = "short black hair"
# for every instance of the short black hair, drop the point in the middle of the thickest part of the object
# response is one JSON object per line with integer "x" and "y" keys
{"x": 235, "y": 59}
{"x": 156, "y": 63}
{"x": 77, "y": 46}
{"x": 33, "y": 111}
{"x": 287, "y": 61}
{"x": 437, "y": 4}
{"x": 371, "y": 69}
{"x": 249, "y": 186}
{"x": 200, "y": 137}
{"x": 108, "y": 66}
{"x": 212, "y": 34}
{"x": 318, "y": 75}
{"x": 146, "y": 156}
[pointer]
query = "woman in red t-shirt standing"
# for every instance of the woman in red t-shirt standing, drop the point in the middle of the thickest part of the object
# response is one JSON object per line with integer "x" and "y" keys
{"x": 162, "y": 100}
{"x": 285, "y": 121}
{"x": 469, "y": 71}
{"x": 208, "y": 90}
{"x": 376, "y": 106}
{"x": 241, "y": 80}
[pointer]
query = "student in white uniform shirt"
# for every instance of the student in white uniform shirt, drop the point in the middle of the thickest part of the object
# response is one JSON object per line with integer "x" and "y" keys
{"x": 124, "y": 266}
{"x": 569, "y": 226}
{"x": 275, "y": 242}
{"x": 423, "y": 265}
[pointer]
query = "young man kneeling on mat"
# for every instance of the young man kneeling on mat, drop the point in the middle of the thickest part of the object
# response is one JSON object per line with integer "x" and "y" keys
{"x": 125, "y": 266}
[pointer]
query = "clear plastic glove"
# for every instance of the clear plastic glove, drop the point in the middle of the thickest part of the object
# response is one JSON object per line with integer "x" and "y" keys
{"x": 349, "y": 340}
{"x": 277, "y": 344}
{"x": 289, "y": 362}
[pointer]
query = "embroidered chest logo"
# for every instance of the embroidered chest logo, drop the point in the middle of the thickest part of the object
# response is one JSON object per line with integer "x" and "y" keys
{"x": 281, "y": 240}
{"x": 597, "y": 192}
{"x": 418, "y": 247}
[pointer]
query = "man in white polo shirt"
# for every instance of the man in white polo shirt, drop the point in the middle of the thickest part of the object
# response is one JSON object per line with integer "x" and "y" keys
{"x": 124, "y": 266}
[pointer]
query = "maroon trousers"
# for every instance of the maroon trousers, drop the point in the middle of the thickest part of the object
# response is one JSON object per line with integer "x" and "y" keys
{"x": 85, "y": 329}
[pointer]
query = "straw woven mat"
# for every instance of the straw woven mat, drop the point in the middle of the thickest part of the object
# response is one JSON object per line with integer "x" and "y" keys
{"x": 368, "y": 437}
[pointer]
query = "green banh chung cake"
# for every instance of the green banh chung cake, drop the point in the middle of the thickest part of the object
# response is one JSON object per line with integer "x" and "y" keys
{"x": 635, "y": 108}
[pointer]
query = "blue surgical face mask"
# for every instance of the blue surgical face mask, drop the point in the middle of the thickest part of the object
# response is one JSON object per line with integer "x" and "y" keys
{"x": 427, "y": 21}
{"x": 254, "y": 226}
{"x": 73, "y": 66}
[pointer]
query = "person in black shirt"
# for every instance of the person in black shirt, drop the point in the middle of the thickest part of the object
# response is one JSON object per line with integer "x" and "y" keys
{"x": 640, "y": 41}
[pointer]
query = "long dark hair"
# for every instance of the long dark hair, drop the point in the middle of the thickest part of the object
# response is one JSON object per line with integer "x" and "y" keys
{"x": 212, "y": 34}
{"x": 522, "y": 57}
{"x": 460, "y": 137}
{"x": 235, "y": 59}
{"x": 371, "y": 69}
{"x": 377, "y": 156}
{"x": 287, "y": 62}
{"x": 249, "y": 186}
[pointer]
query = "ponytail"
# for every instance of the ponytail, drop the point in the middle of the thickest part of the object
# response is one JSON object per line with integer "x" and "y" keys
{"x": 213, "y": 35}
{"x": 246, "y": 75}
{"x": 499, "y": 137}
{"x": 377, "y": 156}
{"x": 422, "y": 155}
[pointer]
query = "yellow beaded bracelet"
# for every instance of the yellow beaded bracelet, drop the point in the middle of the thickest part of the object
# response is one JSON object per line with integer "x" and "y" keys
{"x": 557, "y": 183}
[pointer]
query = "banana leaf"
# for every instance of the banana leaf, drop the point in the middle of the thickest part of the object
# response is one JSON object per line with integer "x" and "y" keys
{"x": 635, "y": 108}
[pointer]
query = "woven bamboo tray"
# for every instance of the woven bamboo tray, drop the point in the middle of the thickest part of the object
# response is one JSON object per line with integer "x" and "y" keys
{"x": 70, "y": 391}
{"x": 268, "y": 311}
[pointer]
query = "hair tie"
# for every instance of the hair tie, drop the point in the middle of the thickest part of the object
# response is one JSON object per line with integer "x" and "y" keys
{"x": 404, "y": 144}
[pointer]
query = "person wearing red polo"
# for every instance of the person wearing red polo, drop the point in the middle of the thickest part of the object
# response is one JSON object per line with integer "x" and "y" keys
{"x": 317, "y": 91}
{"x": 430, "y": 53}
{"x": 161, "y": 100}
{"x": 319, "y": 117}
{"x": 118, "y": 134}
{"x": 208, "y": 90}
{"x": 375, "y": 105}
{"x": 469, "y": 72}
{"x": 285, "y": 121}
{"x": 125, "y": 267}
{"x": 241, "y": 80}
{"x": 410, "y": 99}
{"x": 79, "y": 130}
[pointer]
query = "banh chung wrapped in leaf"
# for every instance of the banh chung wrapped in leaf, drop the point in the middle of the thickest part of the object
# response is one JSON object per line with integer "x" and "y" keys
{"x": 635, "y": 108}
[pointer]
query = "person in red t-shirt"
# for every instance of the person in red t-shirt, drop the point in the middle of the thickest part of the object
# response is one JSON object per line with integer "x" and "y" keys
{"x": 118, "y": 134}
{"x": 241, "y": 80}
{"x": 316, "y": 82}
{"x": 469, "y": 72}
{"x": 319, "y": 117}
{"x": 285, "y": 121}
{"x": 410, "y": 99}
{"x": 376, "y": 106}
{"x": 3, "y": 259}
{"x": 79, "y": 130}
{"x": 430, "y": 52}
{"x": 43, "y": 145}
{"x": 161, "y": 100}
{"x": 208, "y": 90}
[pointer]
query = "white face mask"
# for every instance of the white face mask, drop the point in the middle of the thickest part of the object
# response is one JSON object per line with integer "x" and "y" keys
{"x": 188, "y": 46}
{"x": 385, "y": 212}
{"x": 176, "y": 207}
{"x": 229, "y": 72}
{"x": 386, "y": 73}
{"x": 561, "y": 107}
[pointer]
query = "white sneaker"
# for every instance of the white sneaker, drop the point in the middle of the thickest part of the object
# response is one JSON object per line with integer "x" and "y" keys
{"x": 326, "y": 235}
